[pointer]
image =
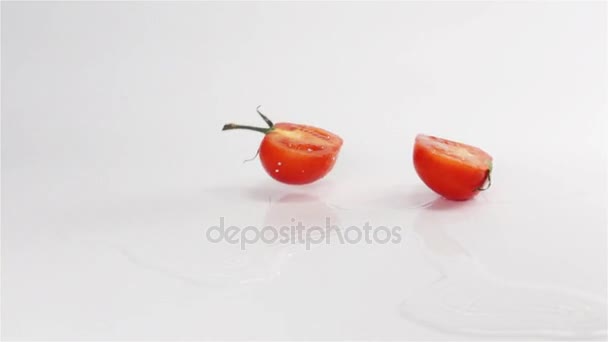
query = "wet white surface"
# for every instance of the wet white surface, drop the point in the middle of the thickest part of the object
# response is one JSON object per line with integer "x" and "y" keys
{"x": 114, "y": 168}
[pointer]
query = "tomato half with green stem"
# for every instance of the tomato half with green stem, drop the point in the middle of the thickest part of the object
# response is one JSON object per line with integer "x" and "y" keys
{"x": 454, "y": 170}
{"x": 293, "y": 153}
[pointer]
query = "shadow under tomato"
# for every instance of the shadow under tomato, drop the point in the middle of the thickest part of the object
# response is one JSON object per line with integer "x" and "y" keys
{"x": 399, "y": 197}
{"x": 272, "y": 189}
{"x": 296, "y": 208}
{"x": 419, "y": 196}
{"x": 443, "y": 204}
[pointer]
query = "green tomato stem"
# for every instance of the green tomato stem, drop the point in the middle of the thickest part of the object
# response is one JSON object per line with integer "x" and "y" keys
{"x": 266, "y": 120}
{"x": 488, "y": 182}
{"x": 251, "y": 128}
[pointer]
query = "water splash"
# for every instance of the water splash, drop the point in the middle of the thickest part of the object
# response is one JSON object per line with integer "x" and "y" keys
{"x": 467, "y": 299}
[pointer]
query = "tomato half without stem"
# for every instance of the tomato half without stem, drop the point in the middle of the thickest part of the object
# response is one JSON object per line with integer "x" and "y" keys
{"x": 454, "y": 170}
{"x": 293, "y": 153}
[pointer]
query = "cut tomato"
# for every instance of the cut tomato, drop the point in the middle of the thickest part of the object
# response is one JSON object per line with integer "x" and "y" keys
{"x": 293, "y": 153}
{"x": 454, "y": 170}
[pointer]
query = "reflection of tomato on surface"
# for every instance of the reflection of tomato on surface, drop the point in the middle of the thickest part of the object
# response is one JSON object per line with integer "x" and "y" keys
{"x": 295, "y": 208}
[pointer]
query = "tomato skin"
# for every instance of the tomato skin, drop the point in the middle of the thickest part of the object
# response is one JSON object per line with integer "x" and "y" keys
{"x": 451, "y": 177}
{"x": 299, "y": 154}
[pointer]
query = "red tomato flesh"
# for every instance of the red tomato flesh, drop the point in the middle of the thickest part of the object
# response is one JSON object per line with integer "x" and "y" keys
{"x": 299, "y": 154}
{"x": 454, "y": 170}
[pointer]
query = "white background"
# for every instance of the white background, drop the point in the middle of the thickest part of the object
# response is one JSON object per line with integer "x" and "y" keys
{"x": 114, "y": 166}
